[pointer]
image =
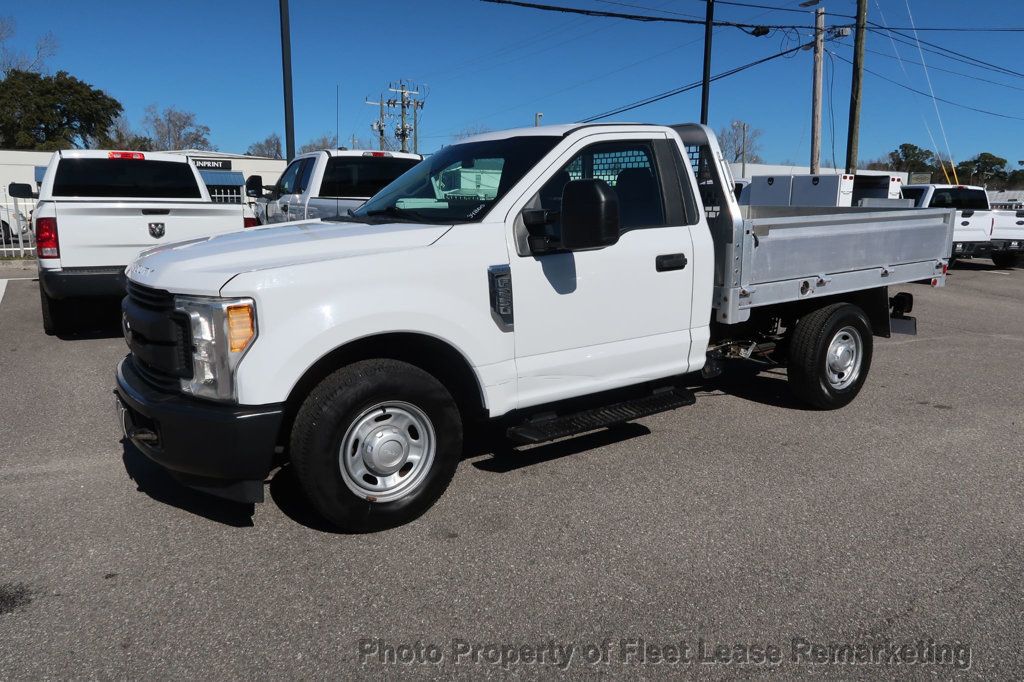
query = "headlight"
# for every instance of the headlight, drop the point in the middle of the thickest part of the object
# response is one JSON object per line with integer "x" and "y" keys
{"x": 222, "y": 329}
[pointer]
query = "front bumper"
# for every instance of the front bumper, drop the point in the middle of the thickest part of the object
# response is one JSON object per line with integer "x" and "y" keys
{"x": 224, "y": 450}
{"x": 971, "y": 249}
{"x": 82, "y": 282}
{"x": 1007, "y": 245}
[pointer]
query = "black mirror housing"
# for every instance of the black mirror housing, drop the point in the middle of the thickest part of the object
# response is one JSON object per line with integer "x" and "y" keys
{"x": 254, "y": 186}
{"x": 590, "y": 215}
{"x": 21, "y": 190}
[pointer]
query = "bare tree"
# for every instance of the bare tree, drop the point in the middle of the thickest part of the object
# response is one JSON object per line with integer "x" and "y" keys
{"x": 176, "y": 129}
{"x": 325, "y": 141}
{"x": 740, "y": 142}
{"x": 121, "y": 135}
{"x": 15, "y": 60}
{"x": 269, "y": 147}
{"x": 470, "y": 131}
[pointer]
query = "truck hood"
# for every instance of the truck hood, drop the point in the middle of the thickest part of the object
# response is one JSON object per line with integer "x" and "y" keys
{"x": 203, "y": 266}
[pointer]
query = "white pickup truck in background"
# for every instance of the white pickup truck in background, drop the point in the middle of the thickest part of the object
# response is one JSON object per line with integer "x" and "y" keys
{"x": 328, "y": 183}
{"x": 97, "y": 210}
{"x": 972, "y": 235}
{"x": 556, "y": 279}
{"x": 1007, "y": 238}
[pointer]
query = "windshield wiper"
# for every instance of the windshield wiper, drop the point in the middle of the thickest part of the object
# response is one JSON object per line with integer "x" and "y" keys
{"x": 400, "y": 213}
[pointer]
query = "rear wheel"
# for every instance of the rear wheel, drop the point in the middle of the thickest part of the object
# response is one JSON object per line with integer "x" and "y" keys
{"x": 1006, "y": 260}
{"x": 5, "y": 233}
{"x": 830, "y": 355}
{"x": 375, "y": 444}
{"x": 56, "y": 313}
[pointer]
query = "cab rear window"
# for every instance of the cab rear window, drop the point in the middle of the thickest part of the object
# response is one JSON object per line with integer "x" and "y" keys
{"x": 960, "y": 199}
{"x": 125, "y": 178}
{"x": 361, "y": 177}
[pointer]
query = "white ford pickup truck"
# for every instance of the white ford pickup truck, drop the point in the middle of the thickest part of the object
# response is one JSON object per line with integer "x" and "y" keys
{"x": 571, "y": 291}
{"x": 328, "y": 183}
{"x": 972, "y": 236}
{"x": 98, "y": 210}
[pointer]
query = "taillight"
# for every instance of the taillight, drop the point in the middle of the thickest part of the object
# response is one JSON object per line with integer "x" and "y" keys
{"x": 134, "y": 156}
{"x": 47, "y": 244}
{"x": 250, "y": 222}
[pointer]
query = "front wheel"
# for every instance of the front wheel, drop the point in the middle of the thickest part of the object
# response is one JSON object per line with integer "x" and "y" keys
{"x": 1006, "y": 260}
{"x": 375, "y": 444}
{"x": 830, "y": 355}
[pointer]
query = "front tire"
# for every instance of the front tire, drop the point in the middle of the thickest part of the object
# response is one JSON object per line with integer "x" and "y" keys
{"x": 830, "y": 355}
{"x": 1006, "y": 260}
{"x": 375, "y": 444}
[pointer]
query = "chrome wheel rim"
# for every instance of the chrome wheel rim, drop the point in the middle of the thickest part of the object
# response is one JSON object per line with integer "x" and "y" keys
{"x": 387, "y": 451}
{"x": 844, "y": 357}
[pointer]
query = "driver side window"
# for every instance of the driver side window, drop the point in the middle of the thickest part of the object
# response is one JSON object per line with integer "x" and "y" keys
{"x": 628, "y": 168}
{"x": 287, "y": 183}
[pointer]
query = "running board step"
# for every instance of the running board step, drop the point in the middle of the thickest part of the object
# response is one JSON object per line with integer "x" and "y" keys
{"x": 553, "y": 428}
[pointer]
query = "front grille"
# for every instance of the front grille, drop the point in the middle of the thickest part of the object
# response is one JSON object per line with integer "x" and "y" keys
{"x": 157, "y": 299}
{"x": 158, "y": 335}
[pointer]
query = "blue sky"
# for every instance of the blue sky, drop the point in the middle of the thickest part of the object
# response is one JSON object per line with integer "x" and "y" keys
{"x": 490, "y": 66}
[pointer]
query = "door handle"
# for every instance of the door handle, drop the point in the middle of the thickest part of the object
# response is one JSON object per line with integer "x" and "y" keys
{"x": 670, "y": 261}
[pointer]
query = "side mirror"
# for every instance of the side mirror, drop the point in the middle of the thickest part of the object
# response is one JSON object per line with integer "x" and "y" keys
{"x": 254, "y": 186}
{"x": 590, "y": 215}
{"x": 21, "y": 190}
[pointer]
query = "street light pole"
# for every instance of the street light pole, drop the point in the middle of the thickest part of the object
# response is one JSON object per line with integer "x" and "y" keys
{"x": 705, "y": 92}
{"x": 286, "y": 68}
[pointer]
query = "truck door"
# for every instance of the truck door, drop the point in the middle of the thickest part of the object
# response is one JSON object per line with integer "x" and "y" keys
{"x": 287, "y": 201}
{"x": 587, "y": 321}
{"x": 973, "y": 217}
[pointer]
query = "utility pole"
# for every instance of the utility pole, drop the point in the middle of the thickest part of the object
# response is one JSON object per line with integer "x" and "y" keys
{"x": 286, "y": 68}
{"x": 819, "y": 49}
{"x": 705, "y": 92}
{"x": 536, "y": 119}
{"x": 416, "y": 130}
{"x": 853, "y": 136}
{"x": 380, "y": 126}
{"x": 404, "y": 103}
{"x": 743, "y": 148}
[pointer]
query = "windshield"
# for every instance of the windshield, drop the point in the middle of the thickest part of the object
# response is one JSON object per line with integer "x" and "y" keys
{"x": 459, "y": 183}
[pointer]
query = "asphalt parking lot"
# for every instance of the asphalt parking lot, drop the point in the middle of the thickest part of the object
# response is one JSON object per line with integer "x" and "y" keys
{"x": 743, "y": 520}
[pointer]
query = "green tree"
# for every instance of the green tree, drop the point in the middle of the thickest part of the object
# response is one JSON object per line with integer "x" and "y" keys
{"x": 52, "y": 112}
{"x": 984, "y": 169}
{"x": 910, "y": 158}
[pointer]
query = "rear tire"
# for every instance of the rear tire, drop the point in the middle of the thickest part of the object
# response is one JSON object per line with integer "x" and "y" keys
{"x": 375, "y": 444}
{"x": 830, "y": 355}
{"x": 56, "y": 314}
{"x": 1006, "y": 260}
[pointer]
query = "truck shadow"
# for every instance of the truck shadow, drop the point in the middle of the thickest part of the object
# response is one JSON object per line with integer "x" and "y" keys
{"x": 503, "y": 457}
{"x": 161, "y": 486}
{"x": 98, "y": 318}
{"x": 766, "y": 387}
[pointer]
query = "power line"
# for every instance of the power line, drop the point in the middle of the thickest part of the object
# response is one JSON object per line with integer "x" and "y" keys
{"x": 938, "y": 68}
{"x": 944, "y": 51}
{"x": 638, "y": 17}
{"x": 921, "y": 92}
{"x": 690, "y": 86}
